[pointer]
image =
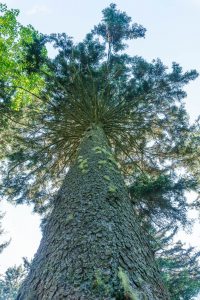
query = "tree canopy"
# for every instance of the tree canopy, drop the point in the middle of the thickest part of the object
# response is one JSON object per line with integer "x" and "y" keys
{"x": 140, "y": 106}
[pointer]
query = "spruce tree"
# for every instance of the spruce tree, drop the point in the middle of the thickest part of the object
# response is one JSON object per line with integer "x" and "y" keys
{"x": 102, "y": 120}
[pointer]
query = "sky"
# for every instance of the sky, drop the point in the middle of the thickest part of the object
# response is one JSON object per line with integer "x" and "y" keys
{"x": 173, "y": 31}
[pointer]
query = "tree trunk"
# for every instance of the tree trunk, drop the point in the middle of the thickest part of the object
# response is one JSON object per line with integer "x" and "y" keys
{"x": 92, "y": 245}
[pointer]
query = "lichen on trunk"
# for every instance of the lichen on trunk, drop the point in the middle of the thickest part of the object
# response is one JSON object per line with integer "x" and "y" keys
{"x": 92, "y": 245}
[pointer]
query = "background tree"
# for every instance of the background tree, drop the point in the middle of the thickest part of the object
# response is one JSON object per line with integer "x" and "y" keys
{"x": 11, "y": 281}
{"x": 4, "y": 244}
{"x": 13, "y": 37}
{"x": 104, "y": 115}
{"x": 162, "y": 207}
{"x": 180, "y": 266}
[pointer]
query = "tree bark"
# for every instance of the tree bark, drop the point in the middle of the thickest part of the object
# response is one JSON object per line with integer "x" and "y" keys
{"x": 92, "y": 245}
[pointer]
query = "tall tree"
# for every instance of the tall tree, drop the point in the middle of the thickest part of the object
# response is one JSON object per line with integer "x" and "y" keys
{"x": 102, "y": 120}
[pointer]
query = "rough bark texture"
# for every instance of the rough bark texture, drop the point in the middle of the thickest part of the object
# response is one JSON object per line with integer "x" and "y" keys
{"x": 92, "y": 246}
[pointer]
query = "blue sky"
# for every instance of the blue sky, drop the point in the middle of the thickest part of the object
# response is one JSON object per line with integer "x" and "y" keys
{"x": 173, "y": 34}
